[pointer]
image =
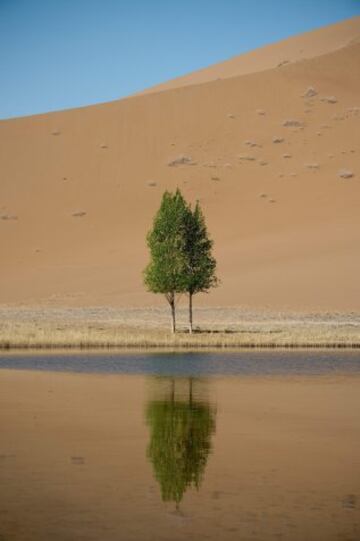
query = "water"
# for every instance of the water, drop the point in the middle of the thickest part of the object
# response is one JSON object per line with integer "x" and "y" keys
{"x": 242, "y": 363}
{"x": 182, "y": 446}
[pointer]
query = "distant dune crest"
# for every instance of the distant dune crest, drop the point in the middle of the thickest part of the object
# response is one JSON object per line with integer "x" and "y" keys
{"x": 304, "y": 46}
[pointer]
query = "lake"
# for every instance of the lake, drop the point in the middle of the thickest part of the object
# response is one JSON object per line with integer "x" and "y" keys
{"x": 159, "y": 446}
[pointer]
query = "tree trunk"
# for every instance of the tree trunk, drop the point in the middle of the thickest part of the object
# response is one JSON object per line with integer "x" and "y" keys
{"x": 190, "y": 314}
{"x": 172, "y": 306}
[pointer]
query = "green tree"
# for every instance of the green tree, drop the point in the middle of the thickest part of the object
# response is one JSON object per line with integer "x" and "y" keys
{"x": 166, "y": 241}
{"x": 200, "y": 263}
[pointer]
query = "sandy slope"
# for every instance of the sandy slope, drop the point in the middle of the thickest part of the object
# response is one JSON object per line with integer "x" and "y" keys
{"x": 300, "y": 251}
{"x": 294, "y": 49}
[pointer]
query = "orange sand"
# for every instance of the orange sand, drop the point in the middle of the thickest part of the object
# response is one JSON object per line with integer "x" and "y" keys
{"x": 297, "y": 247}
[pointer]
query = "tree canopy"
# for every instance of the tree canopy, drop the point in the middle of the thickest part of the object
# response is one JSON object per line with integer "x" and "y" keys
{"x": 166, "y": 272}
{"x": 181, "y": 259}
{"x": 200, "y": 263}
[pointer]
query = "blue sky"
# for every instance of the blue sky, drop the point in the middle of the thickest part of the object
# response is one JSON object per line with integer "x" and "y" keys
{"x": 58, "y": 54}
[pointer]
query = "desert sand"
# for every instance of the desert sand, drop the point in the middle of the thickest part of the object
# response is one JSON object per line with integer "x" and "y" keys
{"x": 271, "y": 147}
{"x": 284, "y": 460}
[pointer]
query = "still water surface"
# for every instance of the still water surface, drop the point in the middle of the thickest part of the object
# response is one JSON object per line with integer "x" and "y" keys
{"x": 192, "y": 363}
{"x": 180, "y": 446}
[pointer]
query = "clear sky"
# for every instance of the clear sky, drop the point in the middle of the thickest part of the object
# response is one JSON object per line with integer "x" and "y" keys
{"x": 57, "y": 54}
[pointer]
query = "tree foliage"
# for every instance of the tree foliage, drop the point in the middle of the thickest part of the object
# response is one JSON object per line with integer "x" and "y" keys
{"x": 181, "y": 257}
{"x": 200, "y": 263}
{"x": 166, "y": 241}
{"x": 166, "y": 271}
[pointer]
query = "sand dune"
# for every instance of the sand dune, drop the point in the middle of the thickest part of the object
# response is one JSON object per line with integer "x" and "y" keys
{"x": 79, "y": 188}
{"x": 277, "y": 55}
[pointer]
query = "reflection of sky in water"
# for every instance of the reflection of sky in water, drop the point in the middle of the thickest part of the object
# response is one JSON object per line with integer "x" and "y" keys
{"x": 192, "y": 364}
{"x": 181, "y": 424}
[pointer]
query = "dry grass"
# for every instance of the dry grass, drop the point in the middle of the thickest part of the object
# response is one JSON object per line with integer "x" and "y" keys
{"x": 22, "y": 328}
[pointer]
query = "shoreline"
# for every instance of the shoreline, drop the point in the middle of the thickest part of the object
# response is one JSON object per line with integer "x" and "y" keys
{"x": 101, "y": 328}
{"x": 175, "y": 347}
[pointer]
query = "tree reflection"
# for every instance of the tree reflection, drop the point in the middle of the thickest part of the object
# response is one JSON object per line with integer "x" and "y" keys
{"x": 181, "y": 426}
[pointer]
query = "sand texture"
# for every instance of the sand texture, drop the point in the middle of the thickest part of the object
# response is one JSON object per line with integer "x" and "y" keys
{"x": 272, "y": 153}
